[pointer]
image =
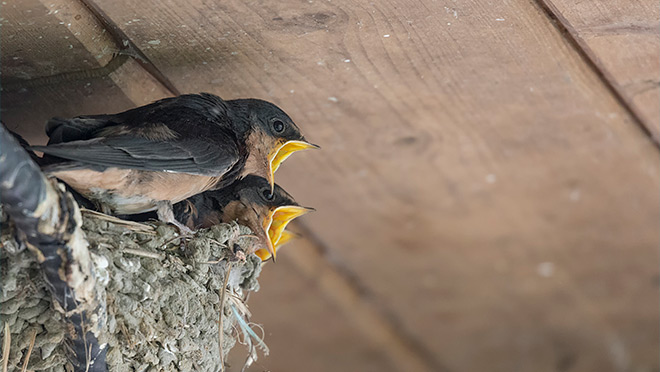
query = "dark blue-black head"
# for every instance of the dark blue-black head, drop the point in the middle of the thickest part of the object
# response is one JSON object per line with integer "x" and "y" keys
{"x": 269, "y": 133}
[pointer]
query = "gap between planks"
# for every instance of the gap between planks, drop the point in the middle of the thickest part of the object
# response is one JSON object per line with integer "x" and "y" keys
{"x": 140, "y": 87}
{"x": 586, "y": 54}
{"x": 128, "y": 46}
{"x": 343, "y": 289}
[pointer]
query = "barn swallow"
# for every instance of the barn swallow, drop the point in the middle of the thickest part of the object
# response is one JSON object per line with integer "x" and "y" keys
{"x": 153, "y": 156}
{"x": 250, "y": 202}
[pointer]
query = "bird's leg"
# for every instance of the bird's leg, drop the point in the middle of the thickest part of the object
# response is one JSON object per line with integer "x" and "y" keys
{"x": 166, "y": 214}
{"x": 239, "y": 253}
{"x": 232, "y": 242}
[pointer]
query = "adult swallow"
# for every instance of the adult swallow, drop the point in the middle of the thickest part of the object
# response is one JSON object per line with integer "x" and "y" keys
{"x": 153, "y": 156}
{"x": 250, "y": 202}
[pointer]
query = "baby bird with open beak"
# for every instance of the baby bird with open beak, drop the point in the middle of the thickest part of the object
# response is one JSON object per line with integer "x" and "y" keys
{"x": 250, "y": 202}
{"x": 153, "y": 156}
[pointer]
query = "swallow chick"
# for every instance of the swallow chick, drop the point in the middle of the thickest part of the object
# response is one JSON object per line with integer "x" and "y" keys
{"x": 250, "y": 202}
{"x": 153, "y": 156}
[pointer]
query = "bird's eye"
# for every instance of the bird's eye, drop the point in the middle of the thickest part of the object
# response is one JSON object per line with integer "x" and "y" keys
{"x": 278, "y": 125}
{"x": 267, "y": 194}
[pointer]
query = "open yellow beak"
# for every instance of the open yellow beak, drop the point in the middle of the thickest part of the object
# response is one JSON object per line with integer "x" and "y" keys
{"x": 277, "y": 221}
{"x": 286, "y": 237}
{"x": 281, "y": 153}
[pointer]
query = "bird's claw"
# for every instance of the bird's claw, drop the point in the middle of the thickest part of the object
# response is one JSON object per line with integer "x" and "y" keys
{"x": 238, "y": 253}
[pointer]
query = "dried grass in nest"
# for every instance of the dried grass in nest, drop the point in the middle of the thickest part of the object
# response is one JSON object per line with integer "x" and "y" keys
{"x": 163, "y": 298}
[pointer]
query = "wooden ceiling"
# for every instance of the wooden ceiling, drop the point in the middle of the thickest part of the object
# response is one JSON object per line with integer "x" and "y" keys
{"x": 487, "y": 192}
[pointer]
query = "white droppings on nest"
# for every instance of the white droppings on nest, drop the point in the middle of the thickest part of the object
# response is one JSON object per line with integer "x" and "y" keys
{"x": 333, "y": 99}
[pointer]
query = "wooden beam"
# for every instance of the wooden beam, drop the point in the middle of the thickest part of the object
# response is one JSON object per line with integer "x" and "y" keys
{"x": 309, "y": 258}
{"x": 58, "y": 60}
{"x": 472, "y": 171}
{"x": 620, "y": 38}
{"x": 43, "y": 38}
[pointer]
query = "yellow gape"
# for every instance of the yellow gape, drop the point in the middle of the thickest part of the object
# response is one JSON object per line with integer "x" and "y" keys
{"x": 275, "y": 225}
{"x": 286, "y": 237}
{"x": 281, "y": 153}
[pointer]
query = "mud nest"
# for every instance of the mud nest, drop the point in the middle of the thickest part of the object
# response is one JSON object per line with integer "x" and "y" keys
{"x": 163, "y": 297}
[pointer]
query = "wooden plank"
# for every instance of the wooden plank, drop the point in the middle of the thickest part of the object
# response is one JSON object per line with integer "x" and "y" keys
{"x": 621, "y": 38}
{"x": 399, "y": 351}
{"x": 477, "y": 178}
{"x": 26, "y": 110}
{"x": 27, "y": 106}
{"x": 56, "y": 59}
{"x": 43, "y": 38}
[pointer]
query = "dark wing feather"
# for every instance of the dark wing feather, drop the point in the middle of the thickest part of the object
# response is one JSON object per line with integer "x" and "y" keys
{"x": 81, "y": 128}
{"x": 178, "y": 113}
{"x": 193, "y": 156}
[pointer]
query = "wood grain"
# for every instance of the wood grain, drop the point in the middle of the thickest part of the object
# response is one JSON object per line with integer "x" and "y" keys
{"x": 329, "y": 341}
{"x": 43, "y": 38}
{"x": 400, "y": 351}
{"x": 53, "y": 59}
{"x": 621, "y": 38}
{"x": 26, "y": 110}
{"x": 477, "y": 179}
